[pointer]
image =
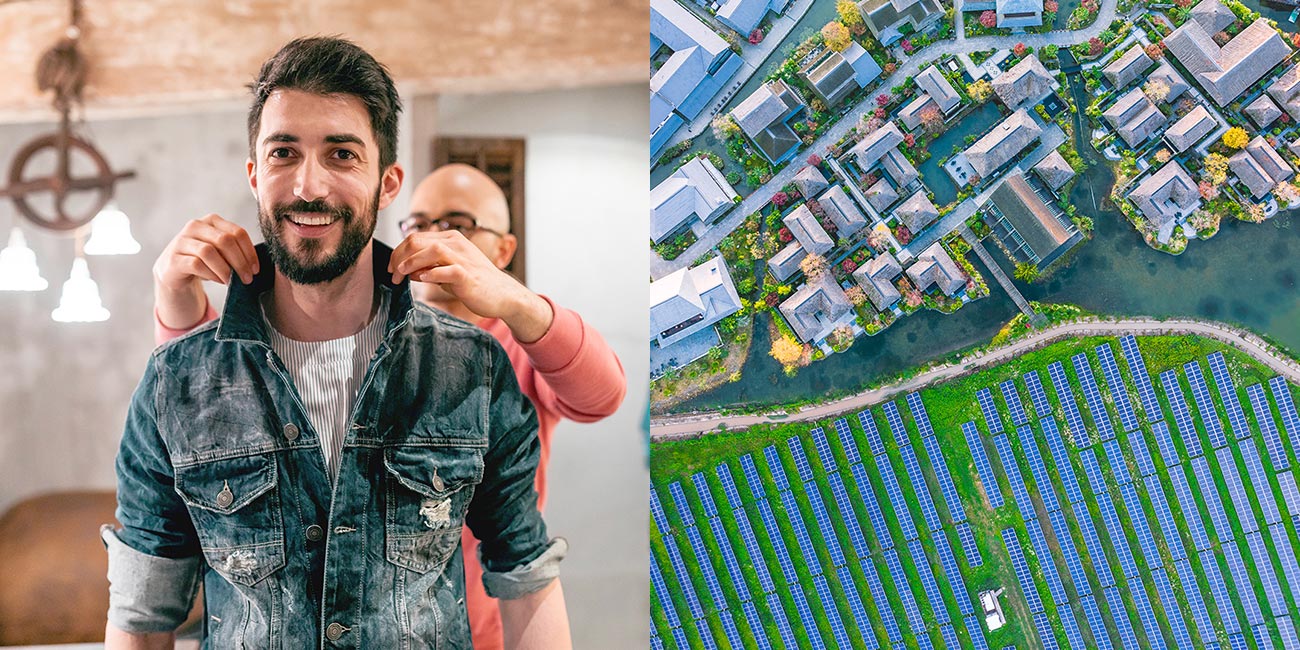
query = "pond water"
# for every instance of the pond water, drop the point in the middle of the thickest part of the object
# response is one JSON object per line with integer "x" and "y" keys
{"x": 932, "y": 173}
{"x": 1246, "y": 275}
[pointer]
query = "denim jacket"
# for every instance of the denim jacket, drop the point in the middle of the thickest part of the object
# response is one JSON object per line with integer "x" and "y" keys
{"x": 221, "y": 478}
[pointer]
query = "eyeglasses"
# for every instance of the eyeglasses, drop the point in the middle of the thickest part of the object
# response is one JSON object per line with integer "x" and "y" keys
{"x": 461, "y": 223}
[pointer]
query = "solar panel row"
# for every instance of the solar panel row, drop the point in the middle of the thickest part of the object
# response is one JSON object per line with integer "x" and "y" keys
{"x": 661, "y": 592}
{"x": 675, "y": 558}
{"x": 1073, "y": 635}
{"x": 806, "y": 615}
{"x": 896, "y": 427}
{"x": 1228, "y": 394}
{"x": 881, "y": 596}
{"x": 1182, "y": 415}
{"x": 1137, "y": 369}
{"x": 928, "y": 584}
{"x": 846, "y": 442}
{"x": 777, "y": 543}
{"x": 1038, "y": 540}
{"x": 1045, "y": 634}
{"x": 1115, "y": 383}
{"x": 969, "y": 547}
{"x": 1165, "y": 444}
{"x": 874, "y": 443}
{"x": 1019, "y": 491}
{"x": 1286, "y": 406}
{"x": 1146, "y": 613}
{"x": 976, "y": 629}
{"x": 982, "y": 467}
{"x": 922, "y": 419}
{"x": 1111, "y": 522}
{"x": 1073, "y": 561}
{"x": 856, "y": 607}
{"x": 702, "y": 560}
{"x": 1092, "y": 397}
{"x": 1263, "y": 640}
{"x": 990, "y": 410}
{"x": 1192, "y": 592}
{"x": 1014, "y": 406}
{"x": 746, "y": 531}
{"x": 1268, "y": 428}
{"x": 910, "y": 607}
{"x": 801, "y": 465}
{"x": 1241, "y": 499}
{"x": 1264, "y": 569}
{"x": 831, "y": 614}
{"x": 783, "y": 626}
{"x": 1263, "y": 491}
{"x": 1290, "y": 493}
{"x": 1092, "y": 542}
{"x": 951, "y": 498}
{"x": 1095, "y": 621}
{"x": 1118, "y": 464}
{"x": 1287, "y": 630}
{"x": 1037, "y": 469}
{"x": 1204, "y": 404}
{"x": 874, "y": 513}
{"x": 1285, "y": 553}
{"x": 1028, "y": 588}
{"x": 1127, "y": 635}
{"x": 920, "y": 490}
{"x": 1037, "y": 396}
{"x": 738, "y": 581}
{"x": 1065, "y": 395}
{"x": 1138, "y": 521}
{"x": 1173, "y": 614}
{"x": 1141, "y": 454}
{"x": 896, "y": 498}
{"x": 1241, "y": 576}
{"x": 1218, "y": 515}
{"x": 823, "y": 447}
{"x": 1165, "y": 518}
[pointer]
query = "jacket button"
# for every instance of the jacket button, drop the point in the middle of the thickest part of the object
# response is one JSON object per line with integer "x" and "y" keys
{"x": 291, "y": 432}
{"x": 334, "y": 632}
{"x": 225, "y": 497}
{"x": 315, "y": 533}
{"x": 438, "y": 483}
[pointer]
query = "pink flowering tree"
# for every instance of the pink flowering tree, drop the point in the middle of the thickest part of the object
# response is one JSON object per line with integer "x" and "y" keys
{"x": 780, "y": 199}
{"x": 814, "y": 160}
{"x": 989, "y": 19}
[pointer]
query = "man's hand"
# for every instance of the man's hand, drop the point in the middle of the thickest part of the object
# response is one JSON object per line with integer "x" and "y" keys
{"x": 210, "y": 248}
{"x": 451, "y": 261}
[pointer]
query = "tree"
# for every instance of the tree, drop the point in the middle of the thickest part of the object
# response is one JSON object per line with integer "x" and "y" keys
{"x": 989, "y": 19}
{"x": 813, "y": 267}
{"x": 856, "y": 296}
{"x": 1286, "y": 193}
{"x": 1208, "y": 191}
{"x": 980, "y": 91}
{"x": 756, "y": 37}
{"x": 780, "y": 199}
{"x": 1094, "y": 46}
{"x": 1026, "y": 272}
{"x": 1162, "y": 156}
{"x": 1254, "y": 212}
{"x": 1050, "y": 7}
{"x": 1019, "y": 50}
{"x": 909, "y": 140}
{"x": 814, "y": 160}
{"x": 836, "y": 35}
{"x": 1156, "y": 50}
{"x": 840, "y": 338}
{"x": 1216, "y": 168}
{"x": 931, "y": 119}
{"x": 725, "y": 128}
{"x": 1049, "y": 51}
{"x": 883, "y": 99}
{"x": 1236, "y": 138}
{"x": 1156, "y": 90}
{"x": 786, "y": 351}
{"x": 849, "y": 13}
{"x": 891, "y": 67}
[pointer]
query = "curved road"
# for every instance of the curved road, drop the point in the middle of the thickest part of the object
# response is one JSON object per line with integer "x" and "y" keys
{"x": 689, "y": 426}
{"x": 1064, "y": 38}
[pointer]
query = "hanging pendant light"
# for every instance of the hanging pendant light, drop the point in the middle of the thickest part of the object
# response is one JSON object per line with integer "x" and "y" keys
{"x": 80, "y": 301}
{"x": 110, "y": 233}
{"x": 18, "y": 270}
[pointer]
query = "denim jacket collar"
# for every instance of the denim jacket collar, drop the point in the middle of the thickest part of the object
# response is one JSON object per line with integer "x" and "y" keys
{"x": 241, "y": 317}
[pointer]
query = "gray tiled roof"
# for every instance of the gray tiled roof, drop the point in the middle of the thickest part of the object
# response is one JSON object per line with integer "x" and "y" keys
{"x": 704, "y": 291}
{"x": 899, "y": 168}
{"x": 881, "y": 195}
{"x": 1034, "y": 220}
{"x": 1025, "y": 81}
{"x": 1213, "y": 16}
{"x": 1127, "y": 67}
{"x": 1226, "y": 72}
{"x": 1054, "y": 170}
{"x": 910, "y": 113}
{"x": 917, "y": 212}
{"x": 1190, "y": 129}
{"x": 810, "y": 181}
{"x": 1166, "y": 73}
{"x": 696, "y": 190}
{"x": 803, "y": 225}
{"x": 1263, "y": 111}
{"x": 1286, "y": 90}
{"x": 843, "y": 212}
{"x": 1007, "y": 139}
{"x": 938, "y": 88}
{"x": 876, "y": 144}
{"x": 786, "y": 261}
{"x": 876, "y": 278}
{"x": 935, "y": 268}
{"x": 1260, "y": 167}
{"x": 767, "y": 104}
{"x": 815, "y": 308}
{"x": 1134, "y": 117}
{"x": 1167, "y": 195}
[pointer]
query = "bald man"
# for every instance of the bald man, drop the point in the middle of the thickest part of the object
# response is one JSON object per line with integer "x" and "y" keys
{"x": 457, "y": 241}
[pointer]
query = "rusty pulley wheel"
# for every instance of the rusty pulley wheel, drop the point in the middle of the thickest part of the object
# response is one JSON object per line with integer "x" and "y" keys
{"x": 61, "y": 183}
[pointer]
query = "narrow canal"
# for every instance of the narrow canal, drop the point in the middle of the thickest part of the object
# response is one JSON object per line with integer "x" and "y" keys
{"x": 1245, "y": 275}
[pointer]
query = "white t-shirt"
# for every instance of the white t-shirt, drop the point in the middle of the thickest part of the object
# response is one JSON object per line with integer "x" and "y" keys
{"x": 328, "y": 375}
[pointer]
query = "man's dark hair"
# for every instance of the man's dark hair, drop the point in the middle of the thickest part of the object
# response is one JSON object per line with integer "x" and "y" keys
{"x": 330, "y": 66}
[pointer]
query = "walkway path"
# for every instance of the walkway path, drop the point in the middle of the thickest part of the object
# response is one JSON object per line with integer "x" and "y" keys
{"x": 1063, "y": 38}
{"x": 998, "y": 274}
{"x": 690, "y": 426}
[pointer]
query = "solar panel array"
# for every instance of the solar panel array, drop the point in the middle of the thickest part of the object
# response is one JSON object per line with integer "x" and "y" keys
{"x": 1286, "y": 406}
{"x": 922, "y": 419}
{"x": 1204, "y": 404}
{"x": 702, "y": 561}
{"x": 912, "y": 465}
{"x": 1028, "y": 588}
{"x": 729, "y": 560}
{"x": 1014, "y": 405}
{"x": 1182, "y": 415}
{"x": 829, "y": 612}
{"x": 666, "y": 604}
{"x": 990, "y": 410}
{"x": 1228, "y": 395}
{"x": 679, "y": 568}
{"x": 1115, "y": 382}
{"x": 1092, "y": 397}
{"x": 1061, "y": 459}
{"x": 934, "y": 453}
{"x": 1065, "y": 396}
{"x": 1268, "y": 428}
{"x": 1037, "y": 396}
{"x": 1019, "y": 491}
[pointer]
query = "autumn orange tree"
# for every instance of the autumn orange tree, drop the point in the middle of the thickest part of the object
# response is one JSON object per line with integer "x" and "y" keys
{"x": 980, "y": 91}
{"x": 836, "y": 36}
{"x": 786, "y": 351}
{"x": 1235, "y": 138}
{"x": 849, "y": 13}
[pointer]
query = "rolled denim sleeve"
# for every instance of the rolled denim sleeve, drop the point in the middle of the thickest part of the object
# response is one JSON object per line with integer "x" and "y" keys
{"x": 517, "y": 556}
{"x": 154, "y": 559}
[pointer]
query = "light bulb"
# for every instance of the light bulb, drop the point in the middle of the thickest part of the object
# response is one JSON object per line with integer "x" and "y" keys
{"x": 80, "y": 301}
{"x": 18, "y": 270}
{"x": 110, "y": 233}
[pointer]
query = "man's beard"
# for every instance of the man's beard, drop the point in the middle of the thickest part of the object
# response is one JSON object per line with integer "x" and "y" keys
{"x": 306, "y": 266}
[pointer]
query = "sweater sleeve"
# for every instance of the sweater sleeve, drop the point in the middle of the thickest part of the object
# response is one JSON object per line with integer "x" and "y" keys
{"x": 576, "y": 373}
{"x": 163, "y": 334}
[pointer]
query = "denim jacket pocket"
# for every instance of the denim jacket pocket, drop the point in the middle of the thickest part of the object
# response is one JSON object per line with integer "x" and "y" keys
{"x": 428, "y": 494}
{"x": 236, "y": 511}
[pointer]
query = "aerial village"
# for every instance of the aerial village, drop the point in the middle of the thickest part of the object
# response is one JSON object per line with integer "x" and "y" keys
{"x": 847, "y": 180}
